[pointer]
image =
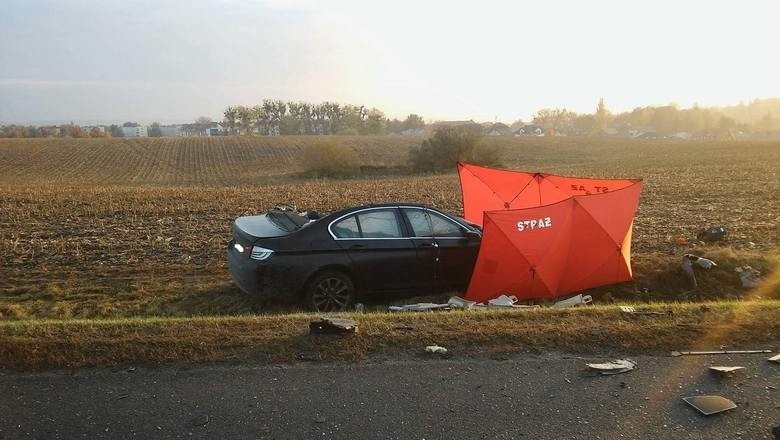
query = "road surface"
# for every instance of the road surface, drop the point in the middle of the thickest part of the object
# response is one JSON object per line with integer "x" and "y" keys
{"x": 549, "y": 396}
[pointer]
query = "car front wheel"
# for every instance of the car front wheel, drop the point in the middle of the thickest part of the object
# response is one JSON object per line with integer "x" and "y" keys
{"x": 330, "y": 292}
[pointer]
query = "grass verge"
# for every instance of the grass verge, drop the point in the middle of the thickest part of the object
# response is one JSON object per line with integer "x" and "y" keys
{"x": 32, "y": 344}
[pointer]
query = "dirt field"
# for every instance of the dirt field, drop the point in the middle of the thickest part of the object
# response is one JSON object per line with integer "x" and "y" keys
{"x": 138, "y": 227}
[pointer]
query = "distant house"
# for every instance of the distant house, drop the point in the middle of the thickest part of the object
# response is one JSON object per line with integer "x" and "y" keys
{"x": 498, "y": 129}
{"x": 137, "y": 131}
{"x": 207, "y": 130}
{"x": 530, "y": 130}
{"x": 413, "y": 132}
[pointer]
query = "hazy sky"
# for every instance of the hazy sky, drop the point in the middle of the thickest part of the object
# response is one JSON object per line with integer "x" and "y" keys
{"x": 176, "y": 60}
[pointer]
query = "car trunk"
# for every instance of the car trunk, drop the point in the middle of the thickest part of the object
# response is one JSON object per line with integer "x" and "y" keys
{"x": 274, "y": 223}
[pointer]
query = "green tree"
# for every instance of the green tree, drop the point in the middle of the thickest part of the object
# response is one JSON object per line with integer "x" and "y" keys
{"x": 413, "y": 122}
{"x": 154, "y": 130}
{"x": 445, "y": 148}
{"x": 116, "y": 131}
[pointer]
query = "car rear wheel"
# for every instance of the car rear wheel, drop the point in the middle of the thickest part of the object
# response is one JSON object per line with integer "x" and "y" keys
{"x": 330, "y": 292}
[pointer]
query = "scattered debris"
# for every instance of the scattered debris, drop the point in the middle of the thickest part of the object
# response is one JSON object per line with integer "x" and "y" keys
{"x": 503, "y": 301}
{"x": 714, "y": 233}
{"x": 631, "y": 310}
{"x": 419, "y": 307}
{"x": 460, "y": 303}
{"x": 575, "y": 300}
{"x": 775, "y": 359}
{"x": 436, "y": 349}
{"x": 680, "y": 240}
{"x": 122, "y": 396}
{"x": 688, "y": 262}
{"x": 615, "y": 367}
{"x": 749, "y": 277}
{"x": 697, "y": 353}
{"x": 726, "y": 371}
{"x": 201, "y": 420}
{"x": 709, "y": 405}
{"x": 332, "y": 326}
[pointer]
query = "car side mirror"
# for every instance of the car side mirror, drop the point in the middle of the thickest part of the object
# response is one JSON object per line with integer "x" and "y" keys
{"x": 473, "y": 235}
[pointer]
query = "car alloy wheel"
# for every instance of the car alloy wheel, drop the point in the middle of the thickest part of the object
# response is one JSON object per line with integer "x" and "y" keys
{"x": 331, "y": 292}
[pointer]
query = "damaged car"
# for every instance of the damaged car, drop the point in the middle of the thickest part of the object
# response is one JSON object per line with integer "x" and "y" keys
{"x": 364, "y": 252}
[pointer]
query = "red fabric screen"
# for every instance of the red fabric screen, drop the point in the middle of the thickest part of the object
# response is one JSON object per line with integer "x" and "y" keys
{"x": 560, "y": 234}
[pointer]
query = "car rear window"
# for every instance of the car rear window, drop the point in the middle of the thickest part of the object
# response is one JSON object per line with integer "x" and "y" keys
{"x": 347, "y": 228}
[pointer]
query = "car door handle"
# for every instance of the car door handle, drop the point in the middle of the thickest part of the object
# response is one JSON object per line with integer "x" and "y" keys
{"x": 429, "y": 245}
{"x": 356, "y": 246}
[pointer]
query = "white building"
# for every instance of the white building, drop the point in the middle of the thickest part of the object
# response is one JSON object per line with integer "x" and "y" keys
{"x": 139, "y": 131}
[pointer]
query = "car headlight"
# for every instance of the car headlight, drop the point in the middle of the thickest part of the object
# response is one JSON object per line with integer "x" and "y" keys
{"x": 239, "y": 248}
{"x": 260, "y": 253}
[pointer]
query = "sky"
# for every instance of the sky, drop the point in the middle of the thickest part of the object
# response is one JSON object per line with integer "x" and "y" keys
{"x": 172, "y": 61}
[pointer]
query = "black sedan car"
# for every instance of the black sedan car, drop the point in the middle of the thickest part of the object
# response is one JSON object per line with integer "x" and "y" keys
{"x": 329, "y": 262}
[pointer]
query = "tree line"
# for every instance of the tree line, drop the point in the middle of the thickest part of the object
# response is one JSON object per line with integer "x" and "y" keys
{"x": 668, "y": 119}
{"x": 277, "y": 117}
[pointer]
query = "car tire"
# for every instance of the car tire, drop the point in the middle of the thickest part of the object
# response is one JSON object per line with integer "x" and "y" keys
{"x": 330, "y": 292}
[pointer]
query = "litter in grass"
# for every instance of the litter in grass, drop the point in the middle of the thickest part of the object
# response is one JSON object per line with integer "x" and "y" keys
{"x": 615, "y": 367}
{"x": 419, "y": 307}
{"x": 726, "y": 371}
{"x": 700, "y": 353}
{"x": 688, "y": 262}
{"x": 460, "y": 303}
{"x": 576, "y": 300}
{"x": 709, "y": 405}
{"x": 436, "y": 349}
{"x": 749, "y": 277}
{"x": 332, "y": 326}
{"x": 775, "y": 359}
{"x": 714, "y": 233}
{"x": 633, "y": 311}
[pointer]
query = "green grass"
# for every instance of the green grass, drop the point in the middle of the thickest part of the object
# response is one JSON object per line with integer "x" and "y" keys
{"x": 30, "y": 344}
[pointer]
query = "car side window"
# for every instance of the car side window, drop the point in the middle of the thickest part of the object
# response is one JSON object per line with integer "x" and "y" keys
{"x": 420, "y": 221}
{"x": 444, "y": 227}
{"x": 379, "y": 224}
{"x": 347, "y": 228}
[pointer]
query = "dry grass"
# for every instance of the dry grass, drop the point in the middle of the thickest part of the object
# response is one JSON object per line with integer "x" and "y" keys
{"x": 101, "y": 228}
{"x": 284, "y": 338}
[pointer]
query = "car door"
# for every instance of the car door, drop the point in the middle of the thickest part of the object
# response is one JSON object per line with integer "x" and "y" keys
{"x": 383, "y": 257}
{"x": 457, "y": 252}
{"x": 419, "y": 225}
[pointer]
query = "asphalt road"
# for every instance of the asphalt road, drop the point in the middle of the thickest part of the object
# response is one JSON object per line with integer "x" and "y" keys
{"x": 548, "y": 396}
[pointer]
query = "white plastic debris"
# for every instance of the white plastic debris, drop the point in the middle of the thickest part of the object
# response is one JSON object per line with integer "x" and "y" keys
{"x": 575, "y": 300}
{"x": 775, "y": 359}
{"x": 503, "y": 301}
{"x": 437, "y": 349}
{"x": 460, "y": 303}
{"x": 615, "y": 367}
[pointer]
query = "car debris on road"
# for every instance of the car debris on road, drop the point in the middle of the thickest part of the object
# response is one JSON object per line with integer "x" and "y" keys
{"x": 702, "y": 353}
{"x": 775, "y": 359}
{"x": 725, "y": 371}
{"x": 615, "y": 367}
{"x": 709, "y": 405}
